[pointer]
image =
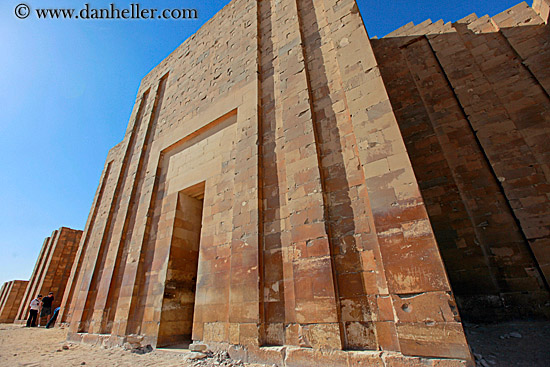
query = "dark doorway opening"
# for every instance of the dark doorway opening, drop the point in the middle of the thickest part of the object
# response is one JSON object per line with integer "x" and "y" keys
{"x": 176, "y": 323}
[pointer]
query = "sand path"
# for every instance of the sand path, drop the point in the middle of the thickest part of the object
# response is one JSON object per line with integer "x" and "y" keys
{"x": 21, "y": 346}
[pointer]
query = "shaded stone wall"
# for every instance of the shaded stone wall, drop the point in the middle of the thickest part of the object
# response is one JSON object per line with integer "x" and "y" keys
{"x": 313, "y": 231}
{"x": 11, "y": 295}
{"x": 471, "y": 99}
{"x": 52, "y": 269}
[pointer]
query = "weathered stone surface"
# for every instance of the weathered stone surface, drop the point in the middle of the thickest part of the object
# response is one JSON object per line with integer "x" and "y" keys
{"x": 474, "y": 137}
{"x": 198, "y": 347}
{"x": 195, "y": 355}
{"x": 286, "y": 186}
{"x": 52, "y": 270}
{"x": 11, "y": 296}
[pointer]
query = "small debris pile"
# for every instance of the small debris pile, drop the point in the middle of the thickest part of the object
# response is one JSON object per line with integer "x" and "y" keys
{"x": 64, "y": 347}
{"x": 513, "y": 334}
{"x": 134, "y": 344}
{"x": 483, "y": 362}
{"x": 142, "y": 350}
{"x": 208, "y": 358}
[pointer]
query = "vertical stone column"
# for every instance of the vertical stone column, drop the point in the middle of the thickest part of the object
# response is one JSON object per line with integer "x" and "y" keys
{"x": 109, "y": 287}
{"x": 311, "y": 303}
{"x": 82, "y": 307}
{"x": 244, "y": 272}
{"x": 3, "y": 293}
{"x": 423, "y": 322}
{"x": 125, "y": 318}
{"x": 359, "y": 272}
{"x": 68, "y": 297}
{"x": 97, "y": 314}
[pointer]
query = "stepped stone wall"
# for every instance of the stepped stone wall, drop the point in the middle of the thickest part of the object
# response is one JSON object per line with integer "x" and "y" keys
{"x": 471, "y": 99}
{"x": 11, "y": 295}
{"x": 52, "y": 269}
{"x": 298, "y": 194}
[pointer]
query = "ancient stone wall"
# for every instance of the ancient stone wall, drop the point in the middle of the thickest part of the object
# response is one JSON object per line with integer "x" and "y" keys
{"x": 265, "y": 154}
{"x": 52, "y": 269}
{"x": 11, "y": 295}
{"x": 471, "y": 99}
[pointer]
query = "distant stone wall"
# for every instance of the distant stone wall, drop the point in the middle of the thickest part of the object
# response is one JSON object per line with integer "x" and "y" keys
{"x": 472, "y": 103}
{"x": 11, "y": 295}
{"x": 52, "y": 269}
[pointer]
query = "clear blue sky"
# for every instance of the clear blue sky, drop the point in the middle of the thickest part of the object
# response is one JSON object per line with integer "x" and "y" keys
{"x": 67, "y": 88}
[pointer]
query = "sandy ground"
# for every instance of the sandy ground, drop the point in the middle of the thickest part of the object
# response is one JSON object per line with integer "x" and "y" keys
{"x": 20, "y": 346}
{"x": 514, "y": 344}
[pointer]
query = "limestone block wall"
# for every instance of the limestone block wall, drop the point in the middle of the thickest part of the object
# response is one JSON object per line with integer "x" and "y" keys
{"x": 471, "y": 99}
{"x": 52, "y": 269}
{"x": 11, "y": 295}
{"x": 271, "y": 127}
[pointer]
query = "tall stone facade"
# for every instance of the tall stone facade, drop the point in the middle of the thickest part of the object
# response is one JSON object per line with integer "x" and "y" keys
{"x": 472, "y": 102}
{"x": 52, "y": 269}
{"x": 273, "y": 196}
{"x": 11, "y": 295}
